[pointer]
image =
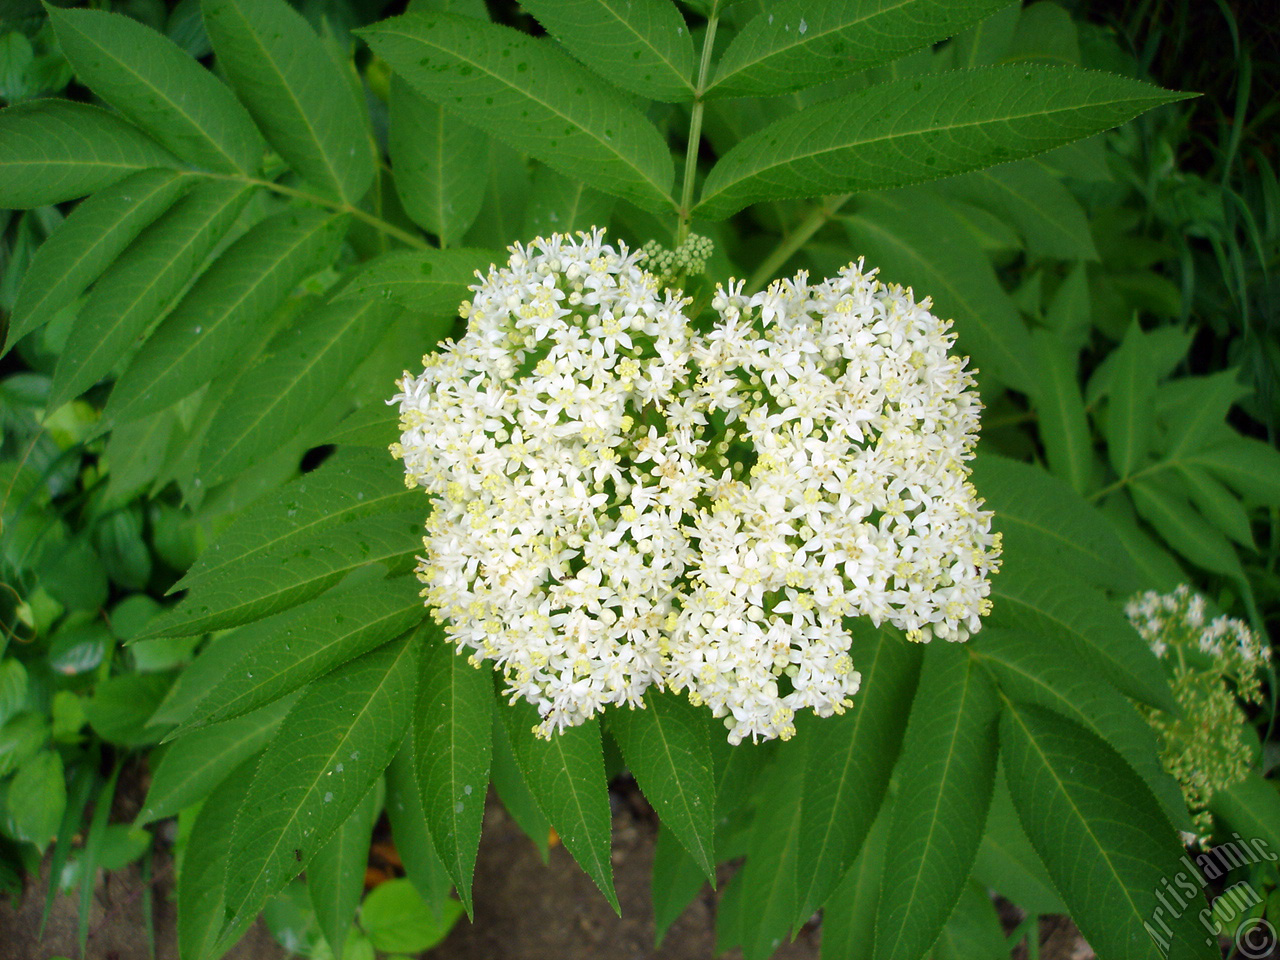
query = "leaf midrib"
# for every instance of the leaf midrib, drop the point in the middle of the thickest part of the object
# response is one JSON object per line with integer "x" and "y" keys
{"x": 705, "y": 860}
{"x": 645, "y": 41}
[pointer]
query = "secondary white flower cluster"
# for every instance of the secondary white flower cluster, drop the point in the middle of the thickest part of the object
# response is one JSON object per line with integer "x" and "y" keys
{"x": 1216, "y": 665}
{"x": 622, "y": 500}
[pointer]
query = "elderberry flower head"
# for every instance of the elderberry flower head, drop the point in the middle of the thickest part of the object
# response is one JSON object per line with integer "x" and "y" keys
{"x": 1216, "y": 665}
{"x": 623, "y": 501}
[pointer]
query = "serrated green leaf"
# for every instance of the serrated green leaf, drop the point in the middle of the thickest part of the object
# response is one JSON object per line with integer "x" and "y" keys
{"x": 676, "y": 880}
{"x": 1251, "y": 466}
{"x": 1198, "y": 408}
{"x": 375, "y": 425}
{"x": 303, "y": 366}
{"x": 514, "y": 793}
{"x": 409, "y": 829}
{"x": 532, "y": 96}
{"x": 1165, "y": 348}
{"x": 945, "y": 775}
{"x": 566, "y": 777}
{"x": 1252, "y": 808}
{"x": 798, "y": 43}
{"x": 921, "y": 128}
{"x": 327, "y": 754}
{"x": 307, "y": 642}
{"x": 91, "y": 237}
{"x": 298, "y": 95}
{"x": 135, "y": 290}
{"x": 160, "y": 88}
{"x": 1008, "y": 863}
{"x": 1052, "y": 603}
{"x": 201, "y": 878}
{"x": 505, "y": 197}
{"x": 432, "y": 282}
{"x": 1217, "y": 504}
{"x": 1184, "y": 529}
{"x": 225, "y": 308}
{"x": 190, "y": 771}
{"x": 349, "y": 485}
{"x": 1030, "y": 669}
{"x": 915, "y": 240}
{"x": 849, "y": 919}
{"x": 666, "y": 748}
{"x": 433, "y": 153}
{"x": 290, "y": 574}
{"x": 453, "y": 744}
{"x": 849, "y": 759}
{"x": 641, "y": 45}
{"x": 973, "y": 930}
{"x": 1133, "y": 384}
{"x": 1050, "y": 219}
{"x": 136, "y": 454}
{"x": 335, "y": 877}
{"x": 1064, "y": 427}
{"x": 560, "y": 205}
{"x": 1042, "y": 519}
{"x": 1099, "y": 832}
{"x": 54, "y": 150}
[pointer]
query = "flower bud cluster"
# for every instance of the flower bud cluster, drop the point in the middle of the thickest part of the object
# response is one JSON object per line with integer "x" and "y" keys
{"x": 687, "y": 260}
{"x": 621, "y": 500}
{"x": 1216, "y": 665}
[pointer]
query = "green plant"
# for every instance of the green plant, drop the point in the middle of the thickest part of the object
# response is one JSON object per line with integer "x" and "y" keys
{"x": 259, "y": 258}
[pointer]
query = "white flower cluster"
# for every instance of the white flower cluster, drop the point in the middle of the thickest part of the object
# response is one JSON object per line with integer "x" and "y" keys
{"x": 622, "y": 500}
{"x": 1215, "y": 665}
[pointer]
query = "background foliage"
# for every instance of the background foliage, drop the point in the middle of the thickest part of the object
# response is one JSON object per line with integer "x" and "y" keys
{"x": 206, "y": 550}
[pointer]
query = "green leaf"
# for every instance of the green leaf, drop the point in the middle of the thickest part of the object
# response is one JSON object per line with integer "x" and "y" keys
{"x": 798, "y": 43}
{"x": 452, "y": 746}
{"x": 1101, "y": 835}
{"x": 565, "y": 774}
{"x": 121, "y": 707}
{"x": 335, "y": 877}
{"x": 137, "y": 453}
{"x": 55, "y": 150}
{"x": 1042, "y": 519}
{"x": 134, "y": 292}
{"x": 374, "y": 425}
{"x": 1198, "y": 408}
{"x": 225, "y": 309}
{"x": 409, "y": 829}
{"x": 1030, "y": 669}
{"x": 1184, "y": 529}
{"x": 523, "y": 91}
{"x": 1133, "y": 384}
{"x": 1217, "y": 504}
{"x": 973, "y": 930}
{"x": 915, "y": 240}
{"x": 1251, "y": 466}
{"x": 1164, "y": 349}
{"x": 91, "y": 237}
{"x": 348, "y": 485}
{"x": 514, "y": 793}
{"x": 677, "y": 879}
{"x": 295, "y": 91}
{"x": 560, "y": 205}
{"x": 641, "y": 45}
{"x": 666, "y": 748}
{"x": 291, "y": 574}
{"x": 37, "y": 795}
{"x": 1053, "y": 604}
{"x": 302, "y": 367}
{"x": 945, "y": 775}
{"x": 307, "y": 642}
{"x": 921, "y": 128}
{"x": 13, "y": 688}
{"x": 849, "y": 759}
{"x": 201, "y": 877}
{"x": 1050, "y": 219}
{"x": 432, "y": 282}
{"x": 1064, "y": 427}
{"x": 330, "y": 749}
{"x": 1252, "y": 808}
{"x": 1009, "y": 864}
{"x": 189, "y": 771}
{"x": 849, "y": 919}
{"x": 398, "y": 920}
{"x": 433, "y": 153}
{"x": 160, "y": 88}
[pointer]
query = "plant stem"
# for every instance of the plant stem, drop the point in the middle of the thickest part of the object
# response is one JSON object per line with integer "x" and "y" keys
{"x": 797, "y": 238}
{"x": 695, "y": 126}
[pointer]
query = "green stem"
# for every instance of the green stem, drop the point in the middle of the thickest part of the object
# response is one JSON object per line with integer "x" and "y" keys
{"x": 377, "y": 223}
{"x": 797, "y": 238}
{"x": 695, "y": 127}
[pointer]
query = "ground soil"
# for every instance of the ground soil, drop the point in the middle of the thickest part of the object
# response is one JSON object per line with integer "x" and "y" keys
{"x": 525, "y": 910}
